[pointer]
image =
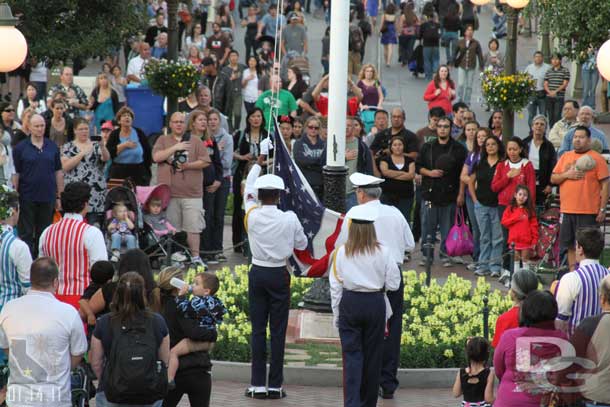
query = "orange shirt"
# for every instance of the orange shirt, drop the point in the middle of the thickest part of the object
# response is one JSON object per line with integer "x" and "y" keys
{"x": 581, "y": 196}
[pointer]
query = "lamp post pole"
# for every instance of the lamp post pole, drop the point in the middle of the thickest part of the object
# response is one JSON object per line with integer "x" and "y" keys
{"x": 172, "y": 48}
{"x": 335, "y": 172}
{"x": 510, "y": 68}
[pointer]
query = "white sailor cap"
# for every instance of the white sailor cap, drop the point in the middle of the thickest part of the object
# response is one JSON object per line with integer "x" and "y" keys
{"x": 269, "y": 181}
{"x": 362, "y": 214}
{"x": 361, "y": 180}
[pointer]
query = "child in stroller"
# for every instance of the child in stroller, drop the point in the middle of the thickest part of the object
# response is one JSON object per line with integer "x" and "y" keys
{"x": 121, "y": 230}
{"x": 159, "y": 238}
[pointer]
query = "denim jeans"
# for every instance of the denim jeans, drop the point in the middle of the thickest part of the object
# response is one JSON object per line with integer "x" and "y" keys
{"x": 404, "y": 205}
{"x": 433, "y": 217}
{"x": 117, "y": 238}
{"x": 350, "y": 201}
{"x": 474, "y": 225}
{"x": 405, "y": 48}
{"x": 215, "y": 204}
{"x": 554, "y": 106}
{"x": 465, "y": 80}
{"x": 431, "y": 60}
{"x": 452, "y": 38}
{"x": 491, "y": 238}
{"x": 590, "y": 77}
{"x": 537, "y": 105}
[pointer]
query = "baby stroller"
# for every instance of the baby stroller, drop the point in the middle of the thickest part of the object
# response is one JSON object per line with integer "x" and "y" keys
{"x": 168, "y": 248}
{"x": 83, "y": 388}
{"x": 123, "y": 194}
{"x": 547, "y": 249}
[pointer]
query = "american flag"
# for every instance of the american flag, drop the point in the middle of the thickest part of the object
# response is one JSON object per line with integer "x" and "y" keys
{"x": 321, "y": 225}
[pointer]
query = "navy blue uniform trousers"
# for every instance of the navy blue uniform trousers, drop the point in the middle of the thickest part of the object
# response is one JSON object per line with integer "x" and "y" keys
{"x": 391, "y": 344}
{"x": 361, "y": 329}
{"x": 269, "y": 298}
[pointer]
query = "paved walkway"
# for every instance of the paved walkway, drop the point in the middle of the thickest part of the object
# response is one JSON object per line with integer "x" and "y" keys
{"x": 231, "y": 394}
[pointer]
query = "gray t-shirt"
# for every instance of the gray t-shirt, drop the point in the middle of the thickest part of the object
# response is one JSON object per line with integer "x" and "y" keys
{"x": 295, "y": 36}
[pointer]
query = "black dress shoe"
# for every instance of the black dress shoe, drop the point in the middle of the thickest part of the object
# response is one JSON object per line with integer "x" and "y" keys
{"x": 251, "y": 394}
{"x": 276, "y": 394}
{"x": 384, "y": 395}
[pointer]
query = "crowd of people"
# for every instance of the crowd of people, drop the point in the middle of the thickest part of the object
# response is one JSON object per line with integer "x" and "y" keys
{"x": 404, "y": 187}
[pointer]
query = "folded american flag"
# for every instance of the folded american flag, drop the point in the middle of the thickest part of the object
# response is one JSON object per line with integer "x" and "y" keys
{"x": 321, "y": 225}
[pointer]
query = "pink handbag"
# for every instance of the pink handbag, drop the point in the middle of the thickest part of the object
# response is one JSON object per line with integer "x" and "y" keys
{"x": 460, "y": 241}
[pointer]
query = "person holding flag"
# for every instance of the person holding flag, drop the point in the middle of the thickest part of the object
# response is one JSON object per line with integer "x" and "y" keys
{"x": 273, "y": 235}
{"x": 360, "y": 272}
{"x": 394, "y": 233}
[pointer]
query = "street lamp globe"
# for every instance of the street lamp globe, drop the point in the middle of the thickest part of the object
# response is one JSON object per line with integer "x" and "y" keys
{"x": 518, "y": 4}
{"x": 13, "y": 47}
{"x": 479, "y": 2}
{"x": 603, "y": 60}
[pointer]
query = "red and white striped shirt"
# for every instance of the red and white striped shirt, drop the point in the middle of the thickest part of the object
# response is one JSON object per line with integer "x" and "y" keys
{"x": 75, "y": 246}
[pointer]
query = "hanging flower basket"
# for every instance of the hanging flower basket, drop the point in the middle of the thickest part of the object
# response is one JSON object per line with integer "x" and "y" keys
{"x": 507, "y": 92}
{"x": 171, "y": 78}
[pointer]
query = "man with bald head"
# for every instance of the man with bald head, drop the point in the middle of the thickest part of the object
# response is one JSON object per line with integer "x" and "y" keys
{"x": 39, "y": 180}
{"x": 584, "y": 118}
{"x": 380, "y": 147}
{"x": 135, "y": 68}
{"x": 276, "y": 99}
{"x": 181, "y": 160}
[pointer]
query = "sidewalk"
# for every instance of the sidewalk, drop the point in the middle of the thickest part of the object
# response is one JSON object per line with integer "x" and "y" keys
{"x": 229, "y": 394}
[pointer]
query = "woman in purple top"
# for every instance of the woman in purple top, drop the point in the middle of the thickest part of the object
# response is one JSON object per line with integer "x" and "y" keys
{"x": 473, "y": 140}
{"x": 372, "y": 93}
{"x": 520, "y": 388}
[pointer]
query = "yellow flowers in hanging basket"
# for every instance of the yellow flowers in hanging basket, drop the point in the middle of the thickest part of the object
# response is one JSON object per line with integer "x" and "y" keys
{"x": 171, "y": 78}
{"x": 507, "y": 92}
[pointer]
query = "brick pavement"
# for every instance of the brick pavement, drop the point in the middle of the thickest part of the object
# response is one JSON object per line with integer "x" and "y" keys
{"x": 231, "y": 394}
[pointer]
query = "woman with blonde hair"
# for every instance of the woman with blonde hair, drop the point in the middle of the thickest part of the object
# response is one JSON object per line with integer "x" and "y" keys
{"x": 212, "y": 180}
{"x": 361, "y": 271}
{"x": 372, "y": 92}
{"x": 104, "y": 101}
{"x": 193, "y": 376}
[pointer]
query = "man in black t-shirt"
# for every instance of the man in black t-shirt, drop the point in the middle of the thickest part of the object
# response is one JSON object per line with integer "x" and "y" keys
{"x": 380, "y": 146}
{"x": 440, "y": 163}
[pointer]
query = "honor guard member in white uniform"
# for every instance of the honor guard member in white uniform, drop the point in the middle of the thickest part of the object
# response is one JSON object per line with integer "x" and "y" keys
{"x": 394, "y": 233}
{"x": 361, "y": 271}
{"x": 273, "y": 235}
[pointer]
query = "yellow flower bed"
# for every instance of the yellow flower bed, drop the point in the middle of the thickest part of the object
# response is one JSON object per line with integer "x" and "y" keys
{"x": 437, "y": 320}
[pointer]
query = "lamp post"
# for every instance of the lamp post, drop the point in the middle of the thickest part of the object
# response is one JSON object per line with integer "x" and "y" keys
{"x": 510, "y": 67}
{"x": 172, "y": 47}
{"x": 13, "y": 46}
{"x": 317, "y": 298}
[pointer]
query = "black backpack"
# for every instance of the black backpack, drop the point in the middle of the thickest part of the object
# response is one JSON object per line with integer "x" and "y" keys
{"x": 133, "y": 373}
{"x": 356, "y": 40}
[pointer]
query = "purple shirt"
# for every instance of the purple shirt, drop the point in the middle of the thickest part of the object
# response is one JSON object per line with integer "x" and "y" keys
{"x": 370, "y": 94}
{"x": 515, "y": 388}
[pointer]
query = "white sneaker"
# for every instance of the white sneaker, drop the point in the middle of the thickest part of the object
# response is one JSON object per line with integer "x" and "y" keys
{"x": 116, "y": 255}
{"x": 481, "y": 272}
{"x": 458, "y": 260}
{"x": 471, "y": 266}
{"x": 505, "y": 277}
{"x": 447, "y": 263}
{"x": 495, "y": 274}
{"x": 179, "y": 257}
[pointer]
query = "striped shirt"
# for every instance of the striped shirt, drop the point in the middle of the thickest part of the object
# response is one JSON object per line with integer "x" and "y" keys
{"x": 15, "y": 263}
{"x": 577, "y": 293}
{"x": 64, "y": 241}
{"x": 555, "y": 78}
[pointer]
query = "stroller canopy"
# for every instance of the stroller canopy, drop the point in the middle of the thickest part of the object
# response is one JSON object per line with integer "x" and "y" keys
{"x": 121, "y": 194}
{"x": 161, "y": 191}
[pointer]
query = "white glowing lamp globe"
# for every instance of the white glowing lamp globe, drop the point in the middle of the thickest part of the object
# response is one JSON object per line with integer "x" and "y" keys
{"x": 13, "y": 48}
{"x": 479, "y": 2}
{"x": 518, "y": 3}
{"x": 603, "y": 60}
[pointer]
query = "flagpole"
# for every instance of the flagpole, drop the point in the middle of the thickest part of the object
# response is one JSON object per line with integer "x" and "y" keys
{"x": 317, "y": 297}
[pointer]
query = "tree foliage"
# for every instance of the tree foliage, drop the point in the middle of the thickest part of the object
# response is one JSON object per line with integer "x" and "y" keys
{"x": 60, "y": 30}
{"x": 577, "y": 24}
